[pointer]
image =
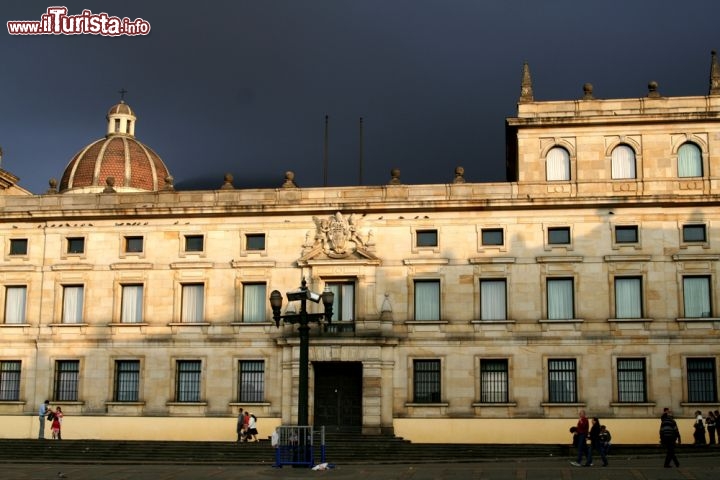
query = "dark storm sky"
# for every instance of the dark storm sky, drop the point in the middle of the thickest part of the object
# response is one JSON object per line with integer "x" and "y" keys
{"x": 242, "y": 86}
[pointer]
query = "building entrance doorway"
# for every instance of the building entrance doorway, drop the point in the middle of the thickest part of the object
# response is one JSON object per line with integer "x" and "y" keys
{"x": 338, "y": 396}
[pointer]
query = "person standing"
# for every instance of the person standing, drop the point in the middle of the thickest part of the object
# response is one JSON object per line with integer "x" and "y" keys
{"x": 711, "y": 421}
{"x": 699, "y": 429}
{"x": 669, "y": 435}
{"x": 42, "y": 414}
{"x": 246, "y": 426}
{"x": 604, "y": 439}
{"x": 581, "y": 434}
{"x": 239, "y": 426}
{"x": 252, "y": 429}
{"x": 57, "y": 424}
{"x": 594, "y": 436}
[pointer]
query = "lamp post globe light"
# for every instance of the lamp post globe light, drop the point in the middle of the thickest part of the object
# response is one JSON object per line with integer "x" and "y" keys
{"x": 302, "y": 318}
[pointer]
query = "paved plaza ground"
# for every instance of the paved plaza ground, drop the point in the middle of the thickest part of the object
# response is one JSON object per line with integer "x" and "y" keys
{"x": 700, "y": 467}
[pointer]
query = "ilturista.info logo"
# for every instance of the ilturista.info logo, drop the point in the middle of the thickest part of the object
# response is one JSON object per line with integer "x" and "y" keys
{"x": 56, "y": 21}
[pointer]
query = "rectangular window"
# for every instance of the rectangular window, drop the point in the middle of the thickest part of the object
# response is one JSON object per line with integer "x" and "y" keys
{"x": 133, "y": 244}
{"x": 696, "y": 297}
{"x": 193, "y": 303}
{"x": 560, "y": 300}
{"x": 344, "y": 301}
{"x": 255, "y": 241}
{"x": 493, "y": 299}
{"x": 76, "y": 245}
{"x": 187, "y": 384}
{"x": 492, "y": 236}
{"x": 631, "y": 380}
{"x": 426, "y": 238}
{"x": 562, "y": 380}
{"x": 426, "y": 381}
{"x": 9, "y": 380}
{"x": 251, "y": 381}
{"x": 559, "y": 235}
{"x": 494, "y": 381}
{"x": 131, "y": 308}
{"x": 72, "y": 304}
{"x": 254, "y": 301}
{"x": 127, "y": 380}
{"x": 626, "y": 234}
{"x": 701, "y": 380}
{"x": 194, "y": 243}
{"x": 628, "y": 297}
{"x": 15, "y": 301}
{"x": 693, "y": 233}
{"x": 427, "y": 300}
{"x": 66, "y": 380}
{"x": 18, "y": 246}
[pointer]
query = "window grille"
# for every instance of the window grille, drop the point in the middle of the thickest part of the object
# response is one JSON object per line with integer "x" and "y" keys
{"x": 251, "y": 381}
{"x": 66, "y": 380}
{"x": 701, "y": 380}
{"x": 494, "y": 381}
{"x": 631, "y": 380}
{"x": 10, "y": 380}
{"x": 188, "y": 380}
{"x": 562, "y": 380}
{"x": 426, "y": 381}
{"x": 127, "y": 380}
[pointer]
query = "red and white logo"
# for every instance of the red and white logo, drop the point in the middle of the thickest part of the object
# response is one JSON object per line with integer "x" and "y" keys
{"x": 56, "y": 21}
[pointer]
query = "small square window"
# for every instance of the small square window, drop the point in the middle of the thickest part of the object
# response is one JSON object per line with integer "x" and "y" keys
{"x": 626, "y": 234}
{"x": 18, "y": 246}
{"x": 76, "y": 245}
{"x": 194, "y": 243}
{"x": 427, "y": 238}
{"x": 255, "y": 241}
{"x": 694, "y": 233}
{"x": 559, "y": 236}
{"x": 492, "y": 236}
{"x": 133, "y": 244}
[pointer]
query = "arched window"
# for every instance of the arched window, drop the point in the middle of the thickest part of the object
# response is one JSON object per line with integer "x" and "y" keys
{"x": 689, "y": 161}
{"x": 557, "y": 164}
{"x": 623, "y": 162}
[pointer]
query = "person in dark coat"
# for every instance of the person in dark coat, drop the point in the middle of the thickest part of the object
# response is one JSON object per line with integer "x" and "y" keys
{"x": 669, "y": 436}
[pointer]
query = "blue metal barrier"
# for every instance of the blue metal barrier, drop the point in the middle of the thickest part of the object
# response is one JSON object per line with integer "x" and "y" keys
{"x": 298, "y": 446}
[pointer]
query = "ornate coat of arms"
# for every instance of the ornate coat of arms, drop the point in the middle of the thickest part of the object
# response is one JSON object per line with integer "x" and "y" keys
{"x": 337, "y": 235}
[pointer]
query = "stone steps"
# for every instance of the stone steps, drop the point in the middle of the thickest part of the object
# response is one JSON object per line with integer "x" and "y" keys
{"x": 340, "y": 449}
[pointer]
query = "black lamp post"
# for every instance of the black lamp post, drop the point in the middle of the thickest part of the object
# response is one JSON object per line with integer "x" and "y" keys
{"x": 303, "y": 318}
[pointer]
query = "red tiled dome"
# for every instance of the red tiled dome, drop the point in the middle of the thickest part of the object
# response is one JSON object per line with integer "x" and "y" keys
{"x": 129, "y": 162}
{"x": 131, "y": 165}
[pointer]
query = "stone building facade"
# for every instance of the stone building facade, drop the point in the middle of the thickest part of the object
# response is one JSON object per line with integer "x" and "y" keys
{"x": 588, "y": 280}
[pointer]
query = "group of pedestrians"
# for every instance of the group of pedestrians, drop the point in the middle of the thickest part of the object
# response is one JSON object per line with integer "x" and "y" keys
{"x": 55, "y": 417}
{"x": 599, "y": 437}
{"x": 701, "y": 423}
{"x": 246, "y": 427}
